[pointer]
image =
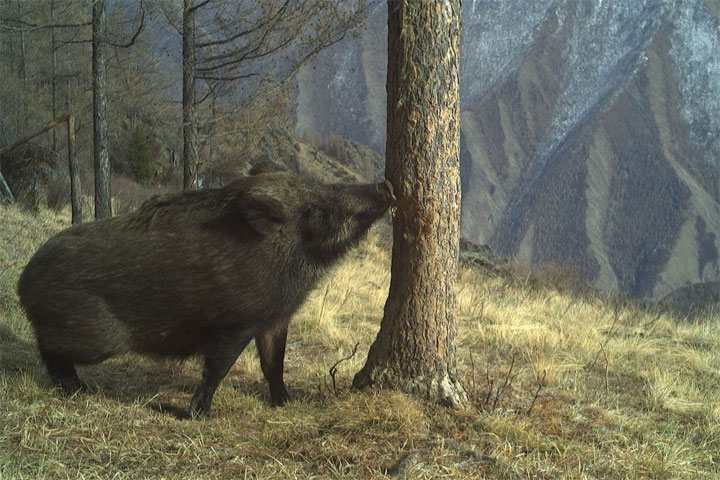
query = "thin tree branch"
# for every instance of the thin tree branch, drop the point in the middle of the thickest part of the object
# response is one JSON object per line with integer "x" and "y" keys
{"x": 135, "y": 35}
{"x": 226, "y": 79}
{"x": 70, "y": 42}
{"x": 247, "y": 56}
{"x": 232, "y": 38}
{"x": 36, "y": 26}
{"x": 333, "y": 369}
{"x": 310, "y": 55}
{"x": 211, "y": 91}
{"x": 61, "y": 43}
{"x": 541, "y": 380}
{"x": 199, "y": 5}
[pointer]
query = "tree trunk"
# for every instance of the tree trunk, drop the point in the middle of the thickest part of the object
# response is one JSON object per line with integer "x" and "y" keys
{"x": 414, "y": 350}
{"x": 74, "y": 172}
{"x": 54, "y": 72}
{"x": 100, "y": 119}
{"x": 190, "y": 134}
{"x": 23, "y": 123}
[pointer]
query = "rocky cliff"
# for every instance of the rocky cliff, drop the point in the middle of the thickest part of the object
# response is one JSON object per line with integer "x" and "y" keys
{"x": 590, "y": 131}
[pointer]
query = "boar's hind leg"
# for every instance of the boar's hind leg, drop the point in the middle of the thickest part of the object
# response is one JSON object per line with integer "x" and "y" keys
{"x": 62, "y": 372}
{"x": 217, "y": 365}
{"x": 271, "y": 348}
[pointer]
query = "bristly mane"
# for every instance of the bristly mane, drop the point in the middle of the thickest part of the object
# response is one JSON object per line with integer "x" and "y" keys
{"x": 191, "y": 205}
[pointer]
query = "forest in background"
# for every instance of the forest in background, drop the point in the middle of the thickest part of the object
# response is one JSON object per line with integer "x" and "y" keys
{"x": 243, "y": 57}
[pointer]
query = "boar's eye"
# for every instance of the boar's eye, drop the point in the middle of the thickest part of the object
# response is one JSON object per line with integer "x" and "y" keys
{"x": 314, "y": 224}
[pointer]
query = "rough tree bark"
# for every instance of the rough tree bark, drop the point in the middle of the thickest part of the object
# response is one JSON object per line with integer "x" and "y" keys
{"x": 190, "y": 133}
{"x": 100, "y": 118}
{"x": 54, "y": 72}
{"x": 75, "y": 190}
{"x": 414, "y": 350}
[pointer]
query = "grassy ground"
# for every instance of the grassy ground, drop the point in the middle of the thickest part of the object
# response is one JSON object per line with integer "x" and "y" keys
{"x": 623, "y": 393}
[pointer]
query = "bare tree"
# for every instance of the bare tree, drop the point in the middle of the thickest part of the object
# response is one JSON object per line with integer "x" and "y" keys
{"x": 29, "y": 28}
{"x": 101, "y": 157}
{"x": 100, "y": 41}
{"x": 190, "y": 131}
{"x": 61, "y": 25}
{"x": 54, "y": 72}
{"x": 233, "y": 48}
{"x": 415, "y": 350}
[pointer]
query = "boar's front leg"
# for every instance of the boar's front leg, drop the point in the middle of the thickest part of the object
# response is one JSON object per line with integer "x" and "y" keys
{"x": 218, "y": 361}
{"x": 63, "y": 372}
{"x": 271, "y": 348}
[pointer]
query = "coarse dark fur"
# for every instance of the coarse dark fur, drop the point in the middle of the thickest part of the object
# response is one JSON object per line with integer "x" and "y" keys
{"x": 199, "y": 272}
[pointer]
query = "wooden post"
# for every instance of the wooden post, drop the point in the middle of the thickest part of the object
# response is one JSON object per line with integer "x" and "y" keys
{"x": 74, "y": 173}
{"x": 5, "y": 192}
{"x": 72, "y": 163}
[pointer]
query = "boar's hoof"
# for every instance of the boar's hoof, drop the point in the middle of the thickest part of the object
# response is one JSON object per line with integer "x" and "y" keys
{"x": 63, "y": 373}
{"x": 278, "y": 396}
{"x": 198, "y": 411}
{"x": 69, "y": 386}
{"x": 200, "y": 404}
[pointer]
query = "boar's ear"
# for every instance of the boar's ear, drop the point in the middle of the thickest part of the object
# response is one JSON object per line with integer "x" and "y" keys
{"x": 264, "y": 214}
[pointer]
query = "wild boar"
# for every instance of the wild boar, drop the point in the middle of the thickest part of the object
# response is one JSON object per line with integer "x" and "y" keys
{"x": 200, "y": 272}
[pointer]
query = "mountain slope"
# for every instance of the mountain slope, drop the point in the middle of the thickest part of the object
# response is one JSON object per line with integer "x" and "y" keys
{"x": 589, "y": 132}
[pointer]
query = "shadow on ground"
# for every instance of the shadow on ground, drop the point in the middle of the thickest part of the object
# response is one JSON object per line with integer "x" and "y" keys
{"x": 19, "y": 356}
{"x": 165, "y": 385}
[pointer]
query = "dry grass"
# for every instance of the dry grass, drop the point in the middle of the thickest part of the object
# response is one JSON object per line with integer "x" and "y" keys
{"x": 623, "y": 393}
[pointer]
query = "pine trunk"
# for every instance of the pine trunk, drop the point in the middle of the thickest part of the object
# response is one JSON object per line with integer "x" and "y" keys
{"x": 23, "y": 121}
{"x": 100, "y": 115}
{"x": 54, "y": 72}
{"x": 75, "y": 200}
{"x": 190, "y": 134}
{"x": 414, "y": 350}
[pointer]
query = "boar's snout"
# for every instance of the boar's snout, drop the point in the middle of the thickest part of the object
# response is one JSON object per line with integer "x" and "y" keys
{"x": 378, "y": 198}
{"x": 386, "y": 188}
